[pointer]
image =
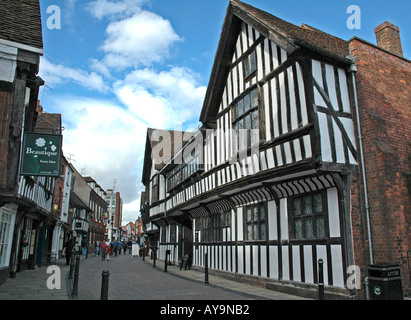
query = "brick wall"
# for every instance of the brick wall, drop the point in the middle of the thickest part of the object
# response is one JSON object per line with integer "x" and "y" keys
{"x": 384, "y": 98}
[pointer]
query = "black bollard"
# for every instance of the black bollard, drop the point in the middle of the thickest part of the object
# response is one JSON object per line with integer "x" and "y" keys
{"x": 144, "y": 253}
{"x": 76, "y": 274}
{"x": 206, "y": 268}
{"x": 104, "y": 285}
{"x": 154, "y": 257}
{"x": 71, "y": 267}
{"x": 166, "y": 261}
{"x": 320, "y": 279}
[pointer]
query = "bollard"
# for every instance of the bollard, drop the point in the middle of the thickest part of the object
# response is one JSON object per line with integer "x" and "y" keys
{"x": 104, "y": 285}
{"x": 206, "y": 268}
{"x": 71, "y": 267}
{"x": 144, "y": 253}
{"x": 320, "y": 279}
{"x": 154, "y": 257}
{"x": 76, "y": 274}
{"x": 166, "y": 261}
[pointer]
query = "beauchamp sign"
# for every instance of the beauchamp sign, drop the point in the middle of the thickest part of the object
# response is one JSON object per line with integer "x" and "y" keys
{"x": 41, "y": 154}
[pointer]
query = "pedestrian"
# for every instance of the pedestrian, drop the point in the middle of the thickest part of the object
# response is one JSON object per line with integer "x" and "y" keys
{"x": 97, "y": 248}
{"x": 69, "y": 250}
{"x": 129, "y": 245}
{"x": 115, "y": 248}
{"x": 103, "y": 250}
{"x": 124, "y": 247}
{"x": 109, "y": 251}
{"x": 119, "y": 246}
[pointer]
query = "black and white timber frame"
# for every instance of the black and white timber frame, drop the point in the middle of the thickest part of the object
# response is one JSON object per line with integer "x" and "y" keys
{"x": 306, "y": 147}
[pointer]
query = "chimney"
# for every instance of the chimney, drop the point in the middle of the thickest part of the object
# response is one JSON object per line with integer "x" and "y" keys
{"x": 388, "y": 38}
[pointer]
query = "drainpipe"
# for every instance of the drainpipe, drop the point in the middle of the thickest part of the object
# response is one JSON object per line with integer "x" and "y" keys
{"x": 352, "y": 70}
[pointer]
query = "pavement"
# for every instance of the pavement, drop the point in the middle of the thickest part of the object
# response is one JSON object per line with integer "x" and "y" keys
{"x": 130, "y": 278}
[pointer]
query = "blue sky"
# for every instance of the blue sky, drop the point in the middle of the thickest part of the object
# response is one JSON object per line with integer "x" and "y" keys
{"x": 111, "y": 82}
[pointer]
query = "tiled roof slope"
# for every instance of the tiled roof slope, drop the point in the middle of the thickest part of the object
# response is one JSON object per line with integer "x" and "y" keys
{"x": 20, "y": 21}
{"x": 304, "y": 35}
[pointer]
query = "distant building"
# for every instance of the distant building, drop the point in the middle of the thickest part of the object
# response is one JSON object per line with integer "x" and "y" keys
{"x": 115, "y": 213}
{"x": 98, "y": 206}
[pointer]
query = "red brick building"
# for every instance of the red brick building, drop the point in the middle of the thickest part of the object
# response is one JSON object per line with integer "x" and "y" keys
{"x": 384, "y": 100}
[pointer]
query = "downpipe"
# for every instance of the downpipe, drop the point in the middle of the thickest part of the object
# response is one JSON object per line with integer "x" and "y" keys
{"x": 352, "y": 70}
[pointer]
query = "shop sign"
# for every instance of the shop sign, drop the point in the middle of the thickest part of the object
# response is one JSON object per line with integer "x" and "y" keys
{"x": 41, "y": 154}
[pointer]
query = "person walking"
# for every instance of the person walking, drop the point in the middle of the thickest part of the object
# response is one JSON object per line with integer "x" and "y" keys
{"x": 97, "y": 248}
{"x": 124, "y": 247}
{"x": 103, "y": 249}
{"x": 109, "y": 250}
{"x": 115, "y": 248}
{"x": 129, "y": 245}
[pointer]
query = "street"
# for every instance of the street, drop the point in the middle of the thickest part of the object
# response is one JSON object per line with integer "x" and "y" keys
{"x": 133, "y": 279}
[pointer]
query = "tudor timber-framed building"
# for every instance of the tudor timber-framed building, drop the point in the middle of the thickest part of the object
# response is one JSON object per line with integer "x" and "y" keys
{"x": 267, "y": 205}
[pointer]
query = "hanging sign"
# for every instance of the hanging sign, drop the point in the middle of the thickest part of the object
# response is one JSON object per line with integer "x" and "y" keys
{"x": 41, "y": 154}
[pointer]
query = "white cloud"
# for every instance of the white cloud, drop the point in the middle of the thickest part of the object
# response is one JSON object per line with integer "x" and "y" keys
{"x": 139, "y": 40}
{"x": 55, "y": 74}
{"x": 106, "y": 140}
{"x": 162, "y": 98}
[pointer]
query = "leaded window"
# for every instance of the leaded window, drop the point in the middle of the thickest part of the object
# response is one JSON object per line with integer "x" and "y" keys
{"x": 308, "y": 216}
{"x": 255, "y": 220}
{"x": 246, "y": 121}
{"x": 249, "y": 65}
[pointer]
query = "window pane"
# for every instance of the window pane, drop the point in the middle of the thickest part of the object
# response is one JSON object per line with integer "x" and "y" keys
{"x": 246, "y": 103}
{"x": 249, "y": 232}
{"x": 252, "y": 62}
{"x": 247, "y": 67}
{"x": 320, "y": 227}
{"x": 255, "y": 227}
{"x": 255, "y": 216}
{"x": 262, "y": 231}
{"x": 308, "y": 228}
{"x": 239, "y": 108}
{"x": 297, "y": 206}
{"x": 307, "y": 207}
{"x": 254, "y": 98}
{"x": 254, "y": 120}
{"x": 318, "y": 203}
{"x": 298, "y": 230}
{"x": 262, "y": 213}
{"x": 249, "y": 215}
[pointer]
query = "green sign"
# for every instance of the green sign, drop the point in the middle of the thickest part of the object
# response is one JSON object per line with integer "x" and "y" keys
{"x": 41, "y": 154}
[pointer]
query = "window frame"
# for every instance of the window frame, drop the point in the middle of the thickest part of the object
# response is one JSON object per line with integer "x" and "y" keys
{"x": 239, "y": 120}
{"x": 248, "y": 66}
{"x": 314, "y": 217}
{"x": 261, "y": 224}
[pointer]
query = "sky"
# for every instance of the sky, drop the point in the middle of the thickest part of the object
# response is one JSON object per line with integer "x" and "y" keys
{"x": 114, "y": 68}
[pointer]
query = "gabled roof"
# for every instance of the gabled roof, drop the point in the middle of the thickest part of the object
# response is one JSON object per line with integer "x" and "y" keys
{"x": 20, "y": 21}
{"x": 167, "y": 140}
{"x": 287, "y": 35}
